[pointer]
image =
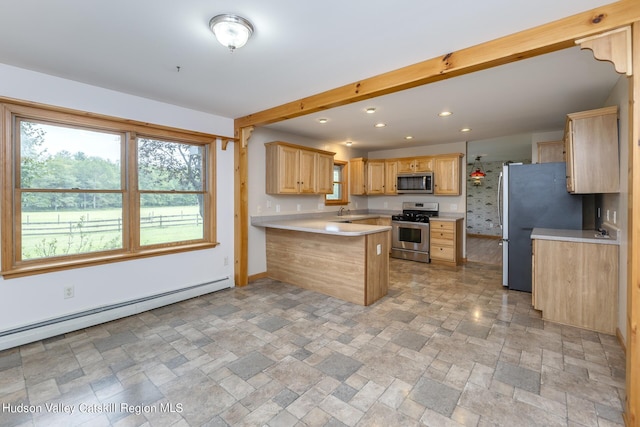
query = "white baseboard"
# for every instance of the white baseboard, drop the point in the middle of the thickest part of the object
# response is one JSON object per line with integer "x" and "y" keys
{"x": 51, "y": 328}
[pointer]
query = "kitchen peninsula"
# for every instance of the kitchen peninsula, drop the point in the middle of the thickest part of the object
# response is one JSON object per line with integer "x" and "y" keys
{"x": 346, "y": 260}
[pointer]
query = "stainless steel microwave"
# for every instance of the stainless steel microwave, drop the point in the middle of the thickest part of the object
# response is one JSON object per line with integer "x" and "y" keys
{"x": 414, "y": 183}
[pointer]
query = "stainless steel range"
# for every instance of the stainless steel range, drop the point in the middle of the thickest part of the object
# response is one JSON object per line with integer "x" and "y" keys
{"x": 410, "y": 231}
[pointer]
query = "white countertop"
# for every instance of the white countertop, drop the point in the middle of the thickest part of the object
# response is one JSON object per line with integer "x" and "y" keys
{"x": 324, "y": 226}
{"x": 579, "y": 236}
{"x": 452, "y": 217}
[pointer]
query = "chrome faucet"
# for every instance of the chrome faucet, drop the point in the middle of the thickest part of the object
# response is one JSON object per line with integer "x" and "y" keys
{"x": 341, "y": 211}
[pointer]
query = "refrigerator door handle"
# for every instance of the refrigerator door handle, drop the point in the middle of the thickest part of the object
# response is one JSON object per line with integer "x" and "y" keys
{"x": 499, "y": 200}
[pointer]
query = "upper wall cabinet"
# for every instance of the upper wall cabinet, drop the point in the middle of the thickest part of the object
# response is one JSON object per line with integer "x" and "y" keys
{"x": 294, "y": 169}
{"x": 372, "y": 177}
{"x": 417, "y": 164}
{"x": 446, "y": 175}
{"x": 551, "y": 152}
{"x": 391, "y": 177}
{"x": 591, "y": 145}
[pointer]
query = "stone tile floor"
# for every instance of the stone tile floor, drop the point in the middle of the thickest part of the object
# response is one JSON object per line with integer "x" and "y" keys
{"x": 446, "y": 347}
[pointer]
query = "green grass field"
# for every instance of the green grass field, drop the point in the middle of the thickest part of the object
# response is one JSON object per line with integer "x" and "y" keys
{"x": 72, "y": 232}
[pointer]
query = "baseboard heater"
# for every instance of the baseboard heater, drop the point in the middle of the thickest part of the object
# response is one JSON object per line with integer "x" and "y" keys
{"x": 73, "y": 322}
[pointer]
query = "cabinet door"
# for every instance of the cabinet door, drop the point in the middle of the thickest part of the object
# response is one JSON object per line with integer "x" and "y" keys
{"x": 577, "y": 283}
{"x": 568, "y": 143}
{"x": 325, "y": 174}
{"x": 356, "y": 177}
{"x": 307, "y": 171}
{"x": 595, "y": 154}
{"x": 405, "y": 165}
{"x": 423, "y": 164}
{"x": 447, "y": 175}
{"x": 391, "y": 177}
{"x": 550, "y": 151}
{"x": 375, "y": 177}
{"x": 289, "y": 164}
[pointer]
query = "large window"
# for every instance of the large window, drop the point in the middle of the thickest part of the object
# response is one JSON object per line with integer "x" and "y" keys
{"x": 340, "y": 195}
{"x": 84, "y": 190}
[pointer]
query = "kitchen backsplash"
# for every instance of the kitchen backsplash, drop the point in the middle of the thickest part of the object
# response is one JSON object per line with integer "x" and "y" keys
{"x": 482, "y": 200}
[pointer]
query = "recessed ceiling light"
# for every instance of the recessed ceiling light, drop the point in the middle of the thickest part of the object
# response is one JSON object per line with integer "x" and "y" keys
{"x": 323, "y": 120}
{"x": 370, "y": 110}
{"x": 380, "y": 125}
{"x": 445, "y": 113}
{"x": 408, "y": 137}
{"x": 349, "y": 143}
{"x": 465, "y": 130}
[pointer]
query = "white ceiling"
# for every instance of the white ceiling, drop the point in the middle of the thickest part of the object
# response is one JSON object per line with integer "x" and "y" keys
{"x": 302, "y": 48}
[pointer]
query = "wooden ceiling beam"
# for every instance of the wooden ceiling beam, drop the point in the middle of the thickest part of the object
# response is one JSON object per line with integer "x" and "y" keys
{"x": 536, "y": 41}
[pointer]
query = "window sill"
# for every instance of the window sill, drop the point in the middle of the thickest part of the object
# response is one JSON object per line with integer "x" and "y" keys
{"x": 49, "y": 267}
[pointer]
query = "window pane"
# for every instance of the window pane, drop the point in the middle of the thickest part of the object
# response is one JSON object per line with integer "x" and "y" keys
{"x": 164, "y": 165}
{"x": 337, "y": 192}
{"x": 168, "y": 218}
{"x": 337, "y": 172}
{"x": 58, "y": 157}
{"x": 54, "y": 225}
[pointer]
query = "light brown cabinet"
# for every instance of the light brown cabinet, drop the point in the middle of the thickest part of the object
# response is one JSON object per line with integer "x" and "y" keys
{"x": 293, "y": 169}
{"x": 391, "y": 177}
{"x": 372, "y": 177}
{"x": 576, "y": 283}
{"x": 446, "y": 175}
{"x": 445, "y": 245}
{"x": 417, "y": 164}
{"x": 325, "y": 173}
{"x": 591, "y": 145}
{"x": 375, "y": 177}
{"x": 357, "y": 177}
{"x": 551, "y": 151}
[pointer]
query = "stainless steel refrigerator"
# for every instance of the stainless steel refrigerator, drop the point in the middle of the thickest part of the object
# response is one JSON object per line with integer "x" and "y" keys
{"x": 531, "y": 196}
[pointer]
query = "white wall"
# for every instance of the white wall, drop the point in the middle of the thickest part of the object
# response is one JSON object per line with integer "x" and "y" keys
{"x": 37, "y": 298}
{"x": 619, "y": 202}
{"x": 452, "y": 204}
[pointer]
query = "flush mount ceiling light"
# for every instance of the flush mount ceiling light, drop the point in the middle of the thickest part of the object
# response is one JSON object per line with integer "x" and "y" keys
{"x": 232, "y": 31}
{"x": 465, "y": 130}
{"x": 408, "y": 137}
{"x": 380, "y": 125}
{"x": 349, "y": 143}
{"x": 323, "y": 120}
{"x": 370, "y": 110}
{"x": 445, "y": 113}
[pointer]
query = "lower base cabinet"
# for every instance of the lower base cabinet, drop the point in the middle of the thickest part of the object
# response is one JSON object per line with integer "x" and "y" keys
{"x": 576, "y": 283}
{"x": 445, "y": 241}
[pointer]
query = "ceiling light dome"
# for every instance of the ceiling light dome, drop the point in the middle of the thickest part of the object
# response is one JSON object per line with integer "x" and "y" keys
{"x": 232, "y": 31}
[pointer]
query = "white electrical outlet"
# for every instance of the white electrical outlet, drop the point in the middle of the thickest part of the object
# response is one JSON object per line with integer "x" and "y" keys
{"x": 356, "y": 205}
{"x": 226, "y": 260}
{"x": 378, "y": 249}
{"x": 268, "y": 204}
{"x": 298, "y": 207}
{"x": 453, "y": 207}
{"x": 68, "y": 292}
{"x": 607, "y": 214}
{"x": 386, "y": 205}
{"x": 259, "y": 209}
{"x": 614, "y": 217}
{"x": 277, "y": 208}
{"x": 320, "y": 206}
